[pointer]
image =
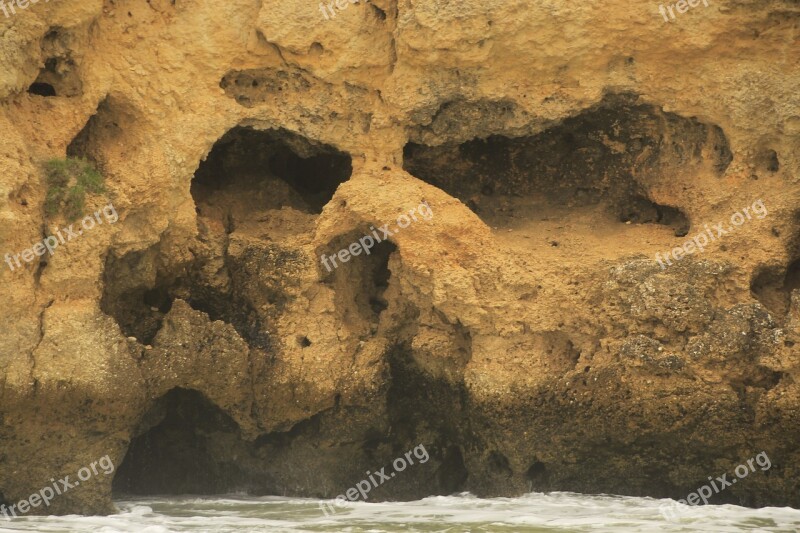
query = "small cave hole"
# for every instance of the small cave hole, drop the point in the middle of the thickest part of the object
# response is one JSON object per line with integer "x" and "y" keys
{"x": 185, "y": 445}
{"x": 303, "y": 342}
{"x": 499, "y": 465}
{"x": 536, "y": 473}
{"x": 42, "y": 89}
{"x": 380, "y": 275}
{"x": 792, "y": 280}
{"x": 769, "y": 161}
{"x": 640, "y": 210}
{"x": 380, "y": 14}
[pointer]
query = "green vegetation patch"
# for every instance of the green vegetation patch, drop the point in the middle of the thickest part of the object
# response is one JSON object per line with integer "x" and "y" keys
{"x": 68, "y": 181}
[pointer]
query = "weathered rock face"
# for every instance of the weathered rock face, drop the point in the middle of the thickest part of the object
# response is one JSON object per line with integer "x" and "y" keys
{"x": 518, "y": 326}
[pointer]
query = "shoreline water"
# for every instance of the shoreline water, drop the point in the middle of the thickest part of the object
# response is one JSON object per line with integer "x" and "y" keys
{"x": 534, "y": 512}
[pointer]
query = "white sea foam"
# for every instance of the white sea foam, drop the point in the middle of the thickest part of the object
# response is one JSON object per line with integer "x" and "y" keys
{"x": 558, "y": 511}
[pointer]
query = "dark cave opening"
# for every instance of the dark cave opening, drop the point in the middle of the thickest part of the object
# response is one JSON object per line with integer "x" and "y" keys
{"x": 279, "y": 167}
{"x": 536, "y": 473}
{"x": 792, "y": 278}
{"x": 773, "y": 286}
{"x": 59, "y": 76}
{"x": 379, "y": 275}
{"x": 136, "y": 293}
{"x": 186, "y": 445}
{"x": 499, "y": 465}
{"x": 139, "y": 289}
{"x": 769, "y": 161}
{"x": 42, "y": 89}
{"x": 105, "y": 128}
{"x": 607, "y": 155}
{"x": 452, "y": 473}
{"x": 640, "y": 210}
{"x": 158, "y": 299}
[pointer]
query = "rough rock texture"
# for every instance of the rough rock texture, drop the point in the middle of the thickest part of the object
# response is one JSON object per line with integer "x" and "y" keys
{"x": 524, "y": 333}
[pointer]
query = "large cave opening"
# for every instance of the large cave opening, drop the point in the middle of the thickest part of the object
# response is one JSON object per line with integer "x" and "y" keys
{"x": 256, "y": 192}
{"x": 185, "y": 445}
{"x": 607, "y": 160}
{"x": 269, "y": 169}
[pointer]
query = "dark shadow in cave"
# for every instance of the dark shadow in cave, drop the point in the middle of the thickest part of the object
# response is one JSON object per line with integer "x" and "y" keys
{"x": 137, "y": 292}
{"x": 108, "y": 126}
{"x": 604, "y": 155}
{"x": 421, "y": 408}
{"x": 537, "y": 475}
{"x": 426, "y": 409}
{"x": 42, "y": 89}
{"x": 186, "y": 445}
{"x": 256, "y": 161}
{"x": 452, "y": 473}
{"x": 376, "y": 279}
{"x": 773, "y": 287}
{"x": 499, "y": 465}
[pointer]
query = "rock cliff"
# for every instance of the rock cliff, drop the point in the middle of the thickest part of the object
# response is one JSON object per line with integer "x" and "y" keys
{"x": 521, "y": 326}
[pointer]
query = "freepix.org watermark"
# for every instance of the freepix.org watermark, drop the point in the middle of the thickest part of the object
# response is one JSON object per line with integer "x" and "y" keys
{"x": 341, "y": 4}
{"x": 50, "y": 243}
{"x": 366, "y": 242}
{"x": 48, "y": 493}
{"x": 699, "y": 242}
{"x": 22, "y": 4}
{"x": 363, "y": 487}
{"x": 672, "y": 510}
{"x": 682, "y": 6}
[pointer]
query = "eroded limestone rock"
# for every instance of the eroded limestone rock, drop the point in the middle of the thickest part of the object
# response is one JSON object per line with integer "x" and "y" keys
{"x": 525, "y": 333}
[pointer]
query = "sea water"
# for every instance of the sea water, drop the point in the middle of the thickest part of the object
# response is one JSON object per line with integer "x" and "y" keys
{"x": 535, "y": 512}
